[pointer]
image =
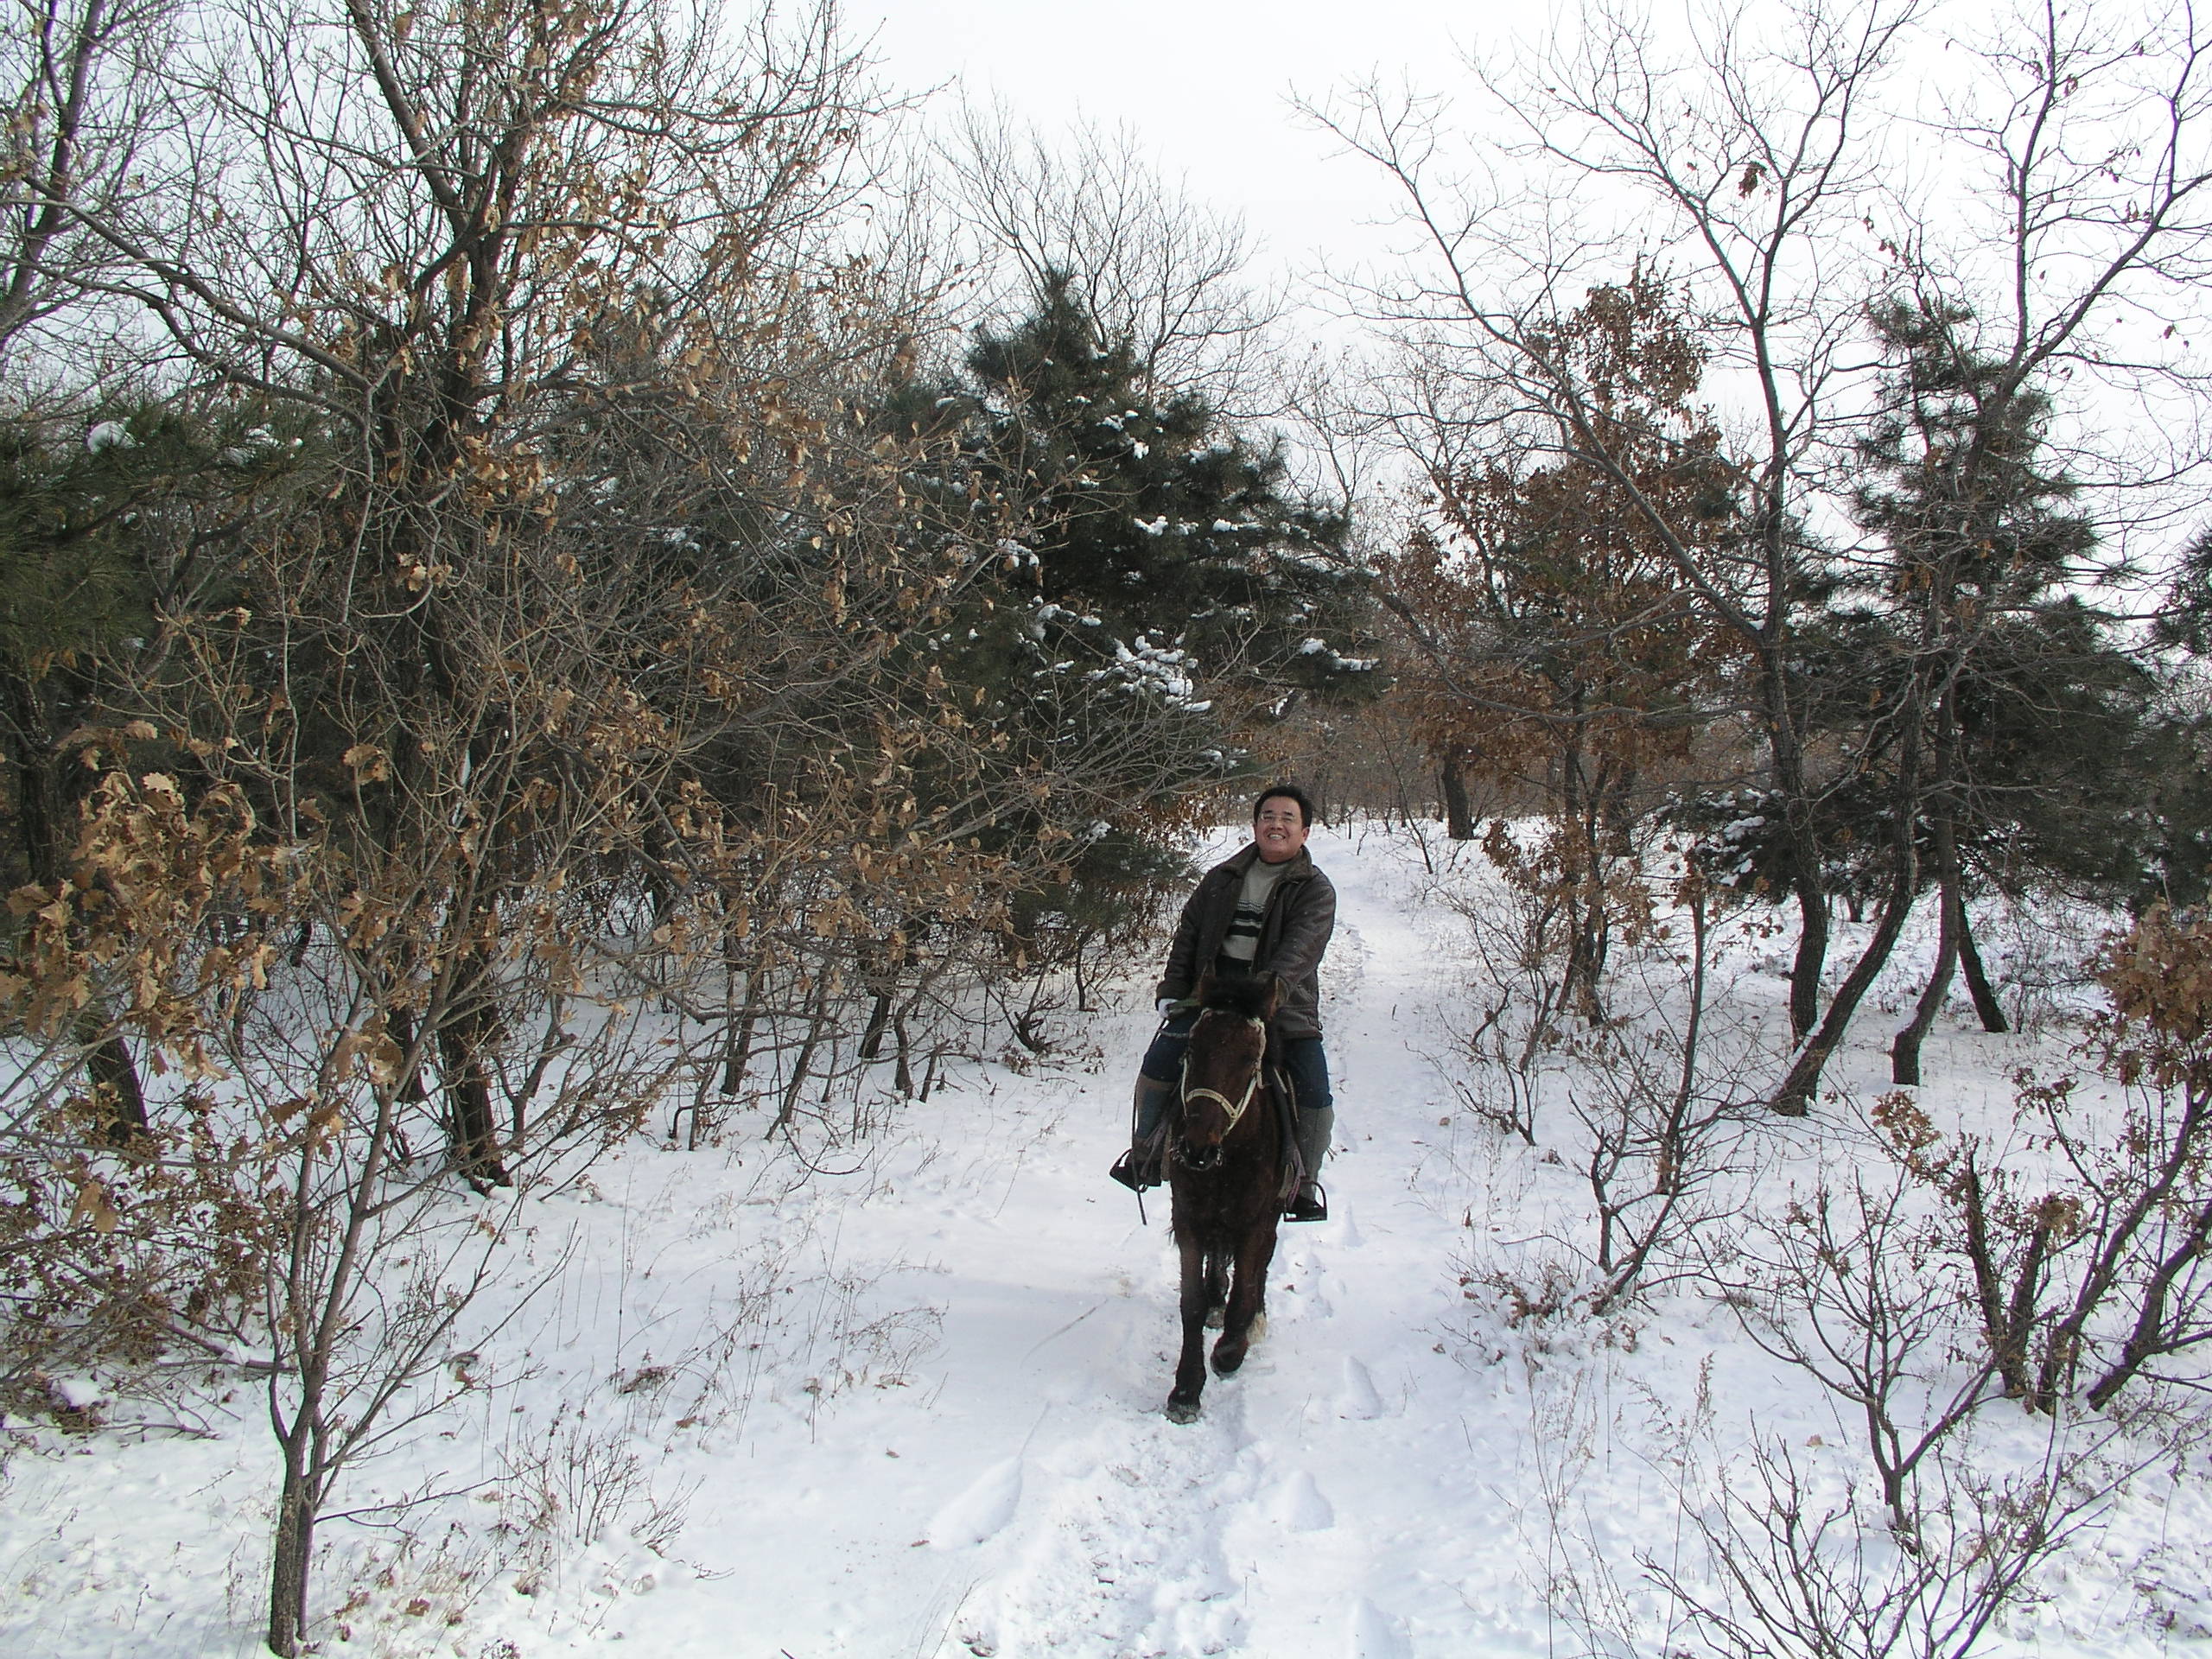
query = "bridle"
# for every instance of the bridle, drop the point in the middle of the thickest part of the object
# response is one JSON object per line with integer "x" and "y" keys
{"x": 1205, "y": 1158}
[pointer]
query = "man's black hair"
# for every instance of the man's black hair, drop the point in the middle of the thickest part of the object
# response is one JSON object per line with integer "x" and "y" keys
{"x": 1290, "y": 792}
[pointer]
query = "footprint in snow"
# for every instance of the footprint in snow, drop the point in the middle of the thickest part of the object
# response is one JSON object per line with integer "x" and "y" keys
{"x": 1343, "y": 1232}
{"x": 1359, "y": 1399}
{"x": 1302, "y": 1507}
{"x": 1344, "y": 971}
{"x": 1309, "y": 1279}
{"x": 982, "y": 1510}
{"x": 1375, "y": 1635}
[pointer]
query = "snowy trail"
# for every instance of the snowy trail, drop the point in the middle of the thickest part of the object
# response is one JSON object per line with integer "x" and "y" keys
{"x": 1340, "y": 1496}
{"x": 1284, "y": 1520}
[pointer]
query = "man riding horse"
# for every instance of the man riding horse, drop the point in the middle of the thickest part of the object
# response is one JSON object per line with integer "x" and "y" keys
{"x": 1267, "y": 910}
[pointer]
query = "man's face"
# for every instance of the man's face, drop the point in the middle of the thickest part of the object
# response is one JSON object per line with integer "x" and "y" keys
{"x": 1280, "y": 828}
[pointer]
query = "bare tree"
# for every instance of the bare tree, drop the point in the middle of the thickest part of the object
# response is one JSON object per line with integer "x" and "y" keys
{"x": 1761, "y": 160}
{"x": 2082, "y": 1243}
{"x": 89, "y": 131}
{"x": 1148, "y": 263}
{"x": 1798, "y": 1570}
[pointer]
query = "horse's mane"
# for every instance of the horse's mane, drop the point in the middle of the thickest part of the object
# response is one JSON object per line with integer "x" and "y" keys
{"x": 1252, "y": 995}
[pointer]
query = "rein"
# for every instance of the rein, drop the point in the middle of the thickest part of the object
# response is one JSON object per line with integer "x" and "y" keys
{"x": 1235, "y": 1109}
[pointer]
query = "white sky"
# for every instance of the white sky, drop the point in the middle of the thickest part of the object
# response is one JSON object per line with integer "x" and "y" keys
{"x": 1205, "y": 84}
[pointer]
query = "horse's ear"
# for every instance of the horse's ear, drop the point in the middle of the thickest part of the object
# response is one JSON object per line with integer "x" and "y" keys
{"x": 1202, "y": 993}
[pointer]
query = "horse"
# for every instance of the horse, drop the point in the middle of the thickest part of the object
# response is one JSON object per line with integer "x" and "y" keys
{"x": 1225, "y": 1174}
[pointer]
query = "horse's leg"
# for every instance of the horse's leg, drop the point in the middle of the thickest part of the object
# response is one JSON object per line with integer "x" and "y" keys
{"x": 1248, "y": 1296}
{"x": 1216, "y": 1286}
{"x": 1191, "y": 1368}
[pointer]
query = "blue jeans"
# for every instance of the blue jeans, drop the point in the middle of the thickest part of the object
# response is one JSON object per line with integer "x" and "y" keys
{"x": 1303, "y": 1059}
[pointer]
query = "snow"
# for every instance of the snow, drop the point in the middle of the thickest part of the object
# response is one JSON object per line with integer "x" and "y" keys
{"x": 914, "y": 1409}
{"x": 78, "y": 1393}
{"x": 1164, "y": 671}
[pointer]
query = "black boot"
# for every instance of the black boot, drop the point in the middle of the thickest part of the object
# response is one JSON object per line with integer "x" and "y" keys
{"x": 1312, "y": 1203}
{"x": 1138, "y": 1168}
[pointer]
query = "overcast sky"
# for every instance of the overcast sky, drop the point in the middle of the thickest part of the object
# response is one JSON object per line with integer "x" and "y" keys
{"x": 1206, "y": 83}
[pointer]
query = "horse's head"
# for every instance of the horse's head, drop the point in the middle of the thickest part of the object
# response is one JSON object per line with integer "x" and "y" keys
{"x": 1221, "y": 1067}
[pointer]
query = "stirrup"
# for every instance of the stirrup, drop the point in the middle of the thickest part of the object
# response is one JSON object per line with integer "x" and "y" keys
{"x": 1311, "y": 1204}
{"x": 1136, "y": 1170}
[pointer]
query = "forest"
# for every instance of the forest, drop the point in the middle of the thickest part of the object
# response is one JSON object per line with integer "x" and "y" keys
{"x": 586, "y": 577}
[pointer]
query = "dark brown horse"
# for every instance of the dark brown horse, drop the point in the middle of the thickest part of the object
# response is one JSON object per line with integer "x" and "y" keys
{"x": 1225, "y": 1171}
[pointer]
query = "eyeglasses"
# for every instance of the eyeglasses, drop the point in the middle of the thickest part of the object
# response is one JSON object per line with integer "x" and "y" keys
{"x": 1291, "y": 817}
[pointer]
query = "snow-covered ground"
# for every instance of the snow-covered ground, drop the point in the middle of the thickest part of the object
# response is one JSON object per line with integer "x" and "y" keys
{"x": 912, "y": 1409}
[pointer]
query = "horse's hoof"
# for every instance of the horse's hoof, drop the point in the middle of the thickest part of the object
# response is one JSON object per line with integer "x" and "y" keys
{"x": 1182, "y": 1411}
{"x": 1227, "y": 1359}
{"x": 1217, "y": 1316}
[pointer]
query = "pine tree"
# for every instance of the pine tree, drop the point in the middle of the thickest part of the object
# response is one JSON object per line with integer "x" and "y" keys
{"x": 1156, "y": 585}
{"x": 1981, "y": 725}
{"x": 2011, "y": 712}
{"x": 1181, "y": 537}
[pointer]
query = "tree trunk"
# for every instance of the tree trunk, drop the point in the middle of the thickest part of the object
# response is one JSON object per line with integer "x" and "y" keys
{"x": 737, "y": 1048}
{"x": 878, "y": 1021}
{"x": 464, "y": 1036}
{"x": 115, "y": 1075}
{"x": 1459, "y": 812}
{"x": 1814, "y": 916}
{"x": 294, "y": 1550}
{"x": 1079, "y": 967}
{"x": 399, "y": 1025}
{"x": 1816, "y": 912}
{"x": 884, "y": 983}
{"x": 1589, "y": 928}
{"x": 738, "y": 1024}
{"x": 1904, "y": 1050}
{"x": 41, "y": 810}
{"x": 1910, "y": 794}
{"x": 817, "y": 1018}
{"x": 1794, "y": 1098}
{"x": 1977, "y": 977}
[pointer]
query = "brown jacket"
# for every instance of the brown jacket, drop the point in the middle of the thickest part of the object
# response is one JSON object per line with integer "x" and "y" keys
{"x": 1301, "y": 914}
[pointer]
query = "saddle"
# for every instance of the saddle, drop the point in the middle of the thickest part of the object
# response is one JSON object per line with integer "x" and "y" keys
{"x": 1286, "y": 1104}
{"x": 1144, "y": 1165}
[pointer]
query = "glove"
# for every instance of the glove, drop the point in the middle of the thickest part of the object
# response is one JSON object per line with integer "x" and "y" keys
{"x": 1170, "y": 1005}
